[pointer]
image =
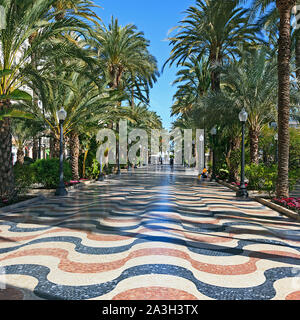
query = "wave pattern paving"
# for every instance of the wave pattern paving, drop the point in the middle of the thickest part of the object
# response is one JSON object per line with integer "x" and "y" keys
{"x": 151, "y": 234}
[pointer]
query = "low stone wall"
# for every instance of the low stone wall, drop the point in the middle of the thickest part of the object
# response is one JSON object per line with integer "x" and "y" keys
{"x": 289, "y": 213}
{"x": 22, "y": 204}
{"x": 268, "y": 203}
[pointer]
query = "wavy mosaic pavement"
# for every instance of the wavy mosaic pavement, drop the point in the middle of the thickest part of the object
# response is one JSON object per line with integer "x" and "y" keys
{"x": 152, "y": 234}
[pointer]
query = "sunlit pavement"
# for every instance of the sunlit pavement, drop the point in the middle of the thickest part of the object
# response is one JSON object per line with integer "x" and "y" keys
{"x": 149, "y": 234}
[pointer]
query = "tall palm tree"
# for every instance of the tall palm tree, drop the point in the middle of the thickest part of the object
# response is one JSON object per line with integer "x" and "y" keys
{"x": 140, "y": 116}
{"x": 284, "y": 54}
{"x": 214, "y": 29}
{"x": 284, "y": 8}
{"x": 251, "y": 83}
{"x": 128, "y": 63}
{"x": 222, "y": 112}
{"x": 124, "y": 50}
{"x": 24, "y": 19}
{"x": 193, "y": 82}
{"x": 83, "y": 101}
{"x": 81, "y": 8}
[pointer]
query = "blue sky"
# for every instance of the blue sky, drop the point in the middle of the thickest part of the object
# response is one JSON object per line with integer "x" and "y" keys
{"x": 155, "y": 18}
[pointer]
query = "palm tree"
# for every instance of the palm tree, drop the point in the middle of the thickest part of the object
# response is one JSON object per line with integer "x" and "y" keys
{"x": 251, "y": 84}
{"x": 83, "y": 101}
{"x": 222, "y": 112}
{"x": 124, "y": 50}
{"x": 127, "y": 62}
{"x": 214, "y": 29}
{"x": 284, "y": 53}
{"x": 22, "y": 135}
{"x": 193, "y": 82}
{"x": 81, "y": 8}
{"x": 284, "y": 8}
{"x": 23, "y": 21}
{"x": 140, "y": 116}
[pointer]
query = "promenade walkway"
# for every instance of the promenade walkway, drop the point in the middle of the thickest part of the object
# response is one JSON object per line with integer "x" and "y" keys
{"x": 151, "y": 234}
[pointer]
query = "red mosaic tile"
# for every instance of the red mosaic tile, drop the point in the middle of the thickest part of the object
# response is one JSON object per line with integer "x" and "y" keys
{"x": 154, "y": 293}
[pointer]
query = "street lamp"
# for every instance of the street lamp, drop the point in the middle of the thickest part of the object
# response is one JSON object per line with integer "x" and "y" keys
{"x": 201, "y": 139}
{"x": 118, "y": 161}
{"x": 242, "y": 192}
{"x": 213, "y": 132}
{"x": 61, "y": 190}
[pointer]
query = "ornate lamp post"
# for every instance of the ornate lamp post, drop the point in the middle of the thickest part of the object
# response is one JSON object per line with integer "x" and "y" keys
{"x": 201, "y": 139}
{"x": 118, "y": 172}
{"x": 242, "y": 192}
{"x": 213, "y": 132}
{"x": 61, "y": 190}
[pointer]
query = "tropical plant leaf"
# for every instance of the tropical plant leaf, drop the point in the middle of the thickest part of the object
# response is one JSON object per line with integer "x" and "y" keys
{"x": 5, "y": 72}
{"x": 16, "y": 95}
{"x": 14, "y": 113}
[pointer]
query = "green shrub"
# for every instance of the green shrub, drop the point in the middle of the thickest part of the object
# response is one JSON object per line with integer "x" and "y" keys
{"x": 46, "y": 172}
{"x": 264, "y": 178}
{"x": 24, "y": 177}
{"x": 261, "y": 177}
{"x": 93, "y": 171}
{"x": 294, "y": 177}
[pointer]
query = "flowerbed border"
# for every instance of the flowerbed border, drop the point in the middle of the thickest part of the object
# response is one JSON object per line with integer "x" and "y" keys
{"x": 22, "y": 204}
{"x": 290, "y": 213}
{"x": 268, "y": 203}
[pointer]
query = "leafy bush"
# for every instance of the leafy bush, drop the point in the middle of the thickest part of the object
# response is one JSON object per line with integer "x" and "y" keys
{"x": 294, "y": 160}
{"x": 294, "y": 177}
{"x": 46, "y": 172}
{"x": 261, "y": 177}
{"x": 264, "y": 178}
{"x": 24, "y": 177}
{"x": 93, "y": 171}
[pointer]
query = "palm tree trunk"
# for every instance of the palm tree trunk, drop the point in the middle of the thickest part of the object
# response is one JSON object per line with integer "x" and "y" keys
{"x": 20, "y": 155}
{"x": 232, "y": 162}
{"x": 297, "y": 51}
{"x": 254, "y": 138}
{"x": 74, "y": 150}
{"x": 35, "y": 149}
{"x": 35, "y": 98}
{"x": 84, "y": 162}
{"x": 132, "y": 98}
{"x": 54, "y": 147}
{"x": 284, "y": 56}
{"x": 7, "y": 185}
{"x": 215, "y": 75}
